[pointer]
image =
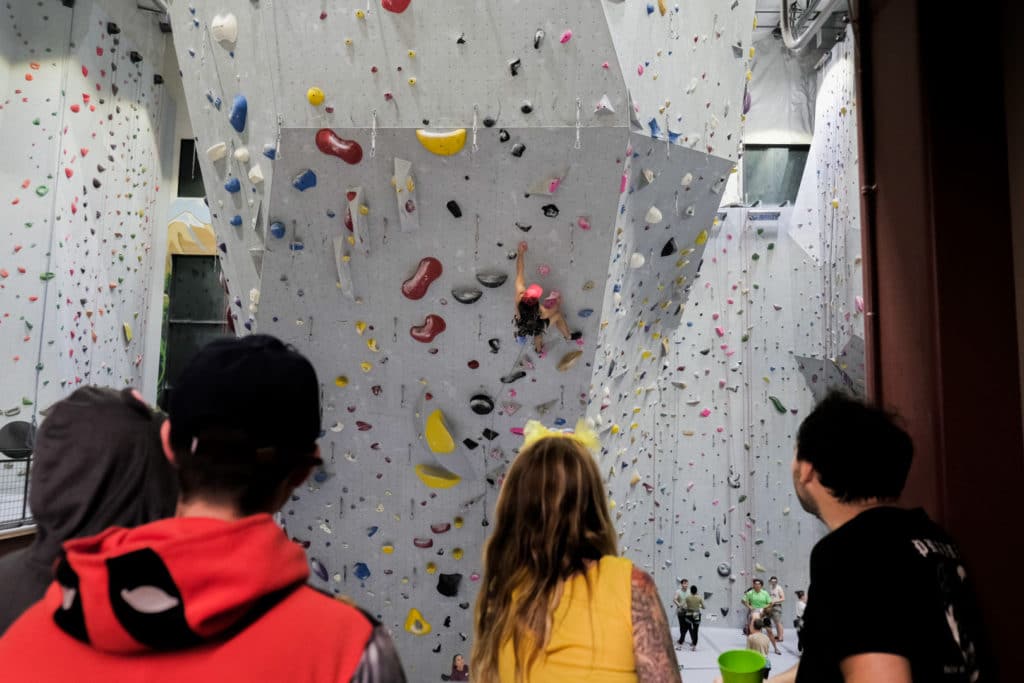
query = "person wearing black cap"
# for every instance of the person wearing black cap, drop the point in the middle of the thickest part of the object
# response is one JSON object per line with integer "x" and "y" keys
{"x": 217, "y": 593}
{"x": 97, "y": 462}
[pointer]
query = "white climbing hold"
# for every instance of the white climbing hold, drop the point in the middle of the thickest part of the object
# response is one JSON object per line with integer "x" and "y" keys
{"x": 242, "y": 154}
{"x": 224, "y": 28}
{"x": 217, "y": 152}
{"x": 687, "y": 180}
{"x": 604, "y": 105}
{"x": 637, "y": 260}
{"x": 256, "y": 175}
{"x": 653, "y": 215}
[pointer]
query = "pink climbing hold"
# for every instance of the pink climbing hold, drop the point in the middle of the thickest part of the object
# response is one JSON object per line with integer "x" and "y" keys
{"x": 583, "y": 222}
{"x": 416, "y": 286}
{"x": 431, "y": 327}
{"x": 624, "y": 183}
{"x": 329, "y": 142}
{"x": 720, "y": 331}
{"x": 553, "y": 185}
{"x": 543, "y": 270}
{"x": 605, "y": 65}
{"x": 858, "y": 301}
{"x": 396, "y": 6}
{"x": 639, "y": 69}
{"x": 518, "y": 431}
{"x": 566, "y": 36}
{"x": 706, "y": 412}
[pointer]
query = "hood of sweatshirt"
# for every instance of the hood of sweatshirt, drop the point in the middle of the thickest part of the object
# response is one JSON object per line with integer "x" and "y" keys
{"x": 173, "y": 584}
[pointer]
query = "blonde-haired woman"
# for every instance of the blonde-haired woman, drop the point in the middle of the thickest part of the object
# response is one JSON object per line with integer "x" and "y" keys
{"x": 556, "y": 602}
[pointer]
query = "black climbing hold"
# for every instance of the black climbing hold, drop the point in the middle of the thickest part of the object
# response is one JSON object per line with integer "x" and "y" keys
{"x": 526, "y": 108}
{"x": 705, "y": 352}
{"x": 437, "y": 648}
{"x": 725, "y": 611}
{"x": 491, "y": 279}
{"x": 481, "y": 404}
{"x": 495, "y": 345}
{"x": 112, "y": 28}
{"x": 524, "y": 228}
{"x": 550, "y": 210}
{"x": 518, "y": 149}
{"x": 158, "y": 79}
{"x": 514, "y": 66}
{"x": 470, "y": 444}
{"x": 135, "y": 57}
{"x": 513, "y": 376}
{"x": 503, "y": 135}
{"x": 490, "y": 434}
{"x": 461, "y": 40}
{"x": 467, "y": 295}
{"x": 538, "y": 38}
{"x": 96, "y": 183}
{"x": 669, "y": 248}
{"x": 448, "y": 621}
{"x": 464, "y": 605}
{"x": 454, "y": 207}
{"x": 448, "y": 584}
{"x": 489, "y": 121}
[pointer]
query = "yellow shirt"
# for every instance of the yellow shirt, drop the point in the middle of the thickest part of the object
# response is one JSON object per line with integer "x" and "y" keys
{"x": 592, "y": 634}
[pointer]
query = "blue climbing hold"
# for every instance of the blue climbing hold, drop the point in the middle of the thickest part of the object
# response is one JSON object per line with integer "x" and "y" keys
{"x": 217, "y": 102}
{"x": 296, "y": 246}
{"x": 585, "y": 312}
{"x": 320, "y": 476}
{"x": 236, "y": 220}
{"x": 361, "y": 571}
{"x": 673, "y": 137}
{"x": 233, "y": 185}
{"x": 370, "y": 531}
{"x": 239, "y": 110}
{"x": 650, "y": 8}
{"x": 304, "y": 180}
{"x": 277, "y": 229}
{"x": 559, "y": 421}
{"x": 655, "y": 128}
{"x": 269, "y": 151}
{"x": 318, "y": 568}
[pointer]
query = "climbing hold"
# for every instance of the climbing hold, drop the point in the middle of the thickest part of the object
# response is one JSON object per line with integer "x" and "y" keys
{"x": 526, "y": 107}
{"x": 239, "y": 111}
{"x": 304, "y": 180}
{"x": 428, "y": 270}
{"x": 437, "y": 477}
{"x": 224, "y": 28}
{"x": 724, "y": 569}
{"x": 361, "y": 571}
{"x": 454, "y": 208}
{"x": 491, "y": 279}
{"x": 702, "y": 237}
{"x": 585, "y": 312}
{"x": 440, "y": 527}
{"x": 341, "y": 381}
{"x": 513, "y": 376}
{"x": 442, "y": 144}
{"x": 415, "y": 623}
{"x": 565, "y": 37}
{"x": 550, "y": 210}
{"x": 448, "y": 584}
{"x": 778, "y": 405}
{"x": 653, "y": 216}
{"x": 495, "y": 345}
{"x": 669, "y": 248}
{"x": 481, "y": 404}
{"x": 127, "y": 332}
{"x": 256, "y": 175}
{"x": 457, "y": 553}
{"x": 217, "y": 152}
{"x": 569, "y": 360}
{"x": 423, "y": 542}
{"x": 637, "y": 260}
{"x": 315, "y": 96}
{"x": 328, "y": 142}
{"x": 242, "y": 155}
{"x": 277, "y": 229}
{"x": 439, "y": 440}
{"x": 518, "y": 149}
{"x": 396, "y": 6}
{"x": 236, "y": 220}
{"x": 233, "y": 185}
{"x": 466, "y": 295}
{"x": 318, "y": 568}
{"x": 432, "y": 326}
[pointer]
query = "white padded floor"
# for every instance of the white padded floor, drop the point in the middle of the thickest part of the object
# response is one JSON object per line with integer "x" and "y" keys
{"x": 702, "y": 666}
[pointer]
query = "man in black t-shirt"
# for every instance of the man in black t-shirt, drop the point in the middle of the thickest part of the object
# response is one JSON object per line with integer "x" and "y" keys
{"x": 851, "y": 464}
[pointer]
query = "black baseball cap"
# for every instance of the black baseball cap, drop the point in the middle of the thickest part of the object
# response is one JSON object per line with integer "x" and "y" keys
{"x": 252, "y": 394}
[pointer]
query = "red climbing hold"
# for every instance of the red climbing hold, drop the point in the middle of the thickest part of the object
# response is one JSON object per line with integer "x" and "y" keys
{"x": 75, "y": 108}
{"x": 429, "y": 270}
{"x": 431, "y": 327}
{"x": 396, "y": 6}
{"x": 329, "y": 142}
{"x": 85, "y": 71}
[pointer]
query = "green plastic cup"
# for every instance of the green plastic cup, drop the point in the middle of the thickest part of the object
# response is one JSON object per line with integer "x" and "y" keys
{"x": 742, "y": 666}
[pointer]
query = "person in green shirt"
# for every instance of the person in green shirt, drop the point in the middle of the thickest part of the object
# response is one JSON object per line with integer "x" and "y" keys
{"x": 757, "y": 600}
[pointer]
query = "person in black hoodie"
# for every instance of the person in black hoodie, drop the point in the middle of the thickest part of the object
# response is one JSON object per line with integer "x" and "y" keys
{"x": 98, "y": 462}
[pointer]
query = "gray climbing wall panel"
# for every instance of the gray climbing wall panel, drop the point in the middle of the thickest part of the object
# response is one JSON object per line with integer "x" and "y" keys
{"x": 80, "y": 127}
{"x": 533, "y": 101}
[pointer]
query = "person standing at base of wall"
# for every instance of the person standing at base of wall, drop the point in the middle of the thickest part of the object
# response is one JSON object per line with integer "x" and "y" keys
{"x": 217, "y": 593}
{"x": 850, "y": 466}
{"x": 693, "y": 604}
{"x": 798, "y": 622}
{"x": 680, "y": 602}
{"x": 775, "y": 610}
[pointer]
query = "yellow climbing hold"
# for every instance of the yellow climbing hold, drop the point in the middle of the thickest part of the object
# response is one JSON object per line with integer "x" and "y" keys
{"x": 341, "y": 381}
{"x": 315, "y": 96}
{"x": 127, "y": 332}
{"x": 360, "y": 14}
{"x": 835, "y": 203}
{"x": 372, "y": 345}
{"x": 442, "y": 144}
{"x": 635, "y": 479}
{"x": 431, "y": 568}
{"x": 615, "y": 429}
{"x": 569, "y": 360}
{"x": 366, "y": 367}
{"x": 751, "y": 51}
{"x": 437, "y": 477}
{"x": 416, "y": 624}
{"x": 439, "y": 440}
{"x": 412, "y": 80}
{"x": 702, "y": 237}
{"x": 387, "y": 549}
{"x": 364, "y": 210}
{"x": 458, "y": 522}
{"x": 412, "y": 54}
{"x": 360, "y": 327}
{"x": 457, "y": 553}
{"x": 662, "y": 8}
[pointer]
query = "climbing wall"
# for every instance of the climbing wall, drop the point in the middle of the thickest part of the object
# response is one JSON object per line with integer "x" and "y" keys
{"x": 701, "y": 381}
{"x": 80, "y": 125}
{"x": 371, "y": 170}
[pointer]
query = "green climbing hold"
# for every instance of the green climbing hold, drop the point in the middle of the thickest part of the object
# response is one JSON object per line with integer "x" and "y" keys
{"x": 46, "y": 276}
{"x": 778, "y": 404}
{"x": 742, "y": 499}
{"x": 755, "y": 257}
{"x": 39, "y": 367}
{"x": 35, "y": 121}
{"x": 26, "y": 401}
{"x": 745, "y": 337}
{"x": 771, "y": 246}
{"x": 42, "y": 191}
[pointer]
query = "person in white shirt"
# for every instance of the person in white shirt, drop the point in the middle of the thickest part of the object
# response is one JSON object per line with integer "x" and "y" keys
{"x": 778, "y": 597}
{"x": 798, "y": 623}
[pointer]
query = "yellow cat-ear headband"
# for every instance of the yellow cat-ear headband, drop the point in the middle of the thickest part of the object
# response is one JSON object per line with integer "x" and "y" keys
{"x": 584, "y": 434}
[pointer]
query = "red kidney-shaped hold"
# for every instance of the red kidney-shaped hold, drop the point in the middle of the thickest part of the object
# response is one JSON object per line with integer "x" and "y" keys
{"x": 429, "y": 270}
{"x": 431, "y": 327}
{"x": 396, "y": 6}
{"x": 329, "y": 142}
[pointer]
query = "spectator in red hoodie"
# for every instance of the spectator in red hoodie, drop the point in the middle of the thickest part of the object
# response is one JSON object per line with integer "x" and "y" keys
{"x": 218, "y": 592}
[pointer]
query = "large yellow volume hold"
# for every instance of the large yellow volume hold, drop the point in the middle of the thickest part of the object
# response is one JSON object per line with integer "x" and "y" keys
{"x": 439, "y": 440}
{"x": 437, "y": 477}
{"x": 416, "y": 624}
{"x": 442, "y": 144}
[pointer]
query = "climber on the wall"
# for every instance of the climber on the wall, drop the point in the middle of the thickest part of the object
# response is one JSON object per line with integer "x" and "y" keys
{"x": 532, "y": 315}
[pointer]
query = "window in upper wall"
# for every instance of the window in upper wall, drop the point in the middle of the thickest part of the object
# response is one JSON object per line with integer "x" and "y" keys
{"x": 190, "y": 177}
{"x": 772, "y": 173}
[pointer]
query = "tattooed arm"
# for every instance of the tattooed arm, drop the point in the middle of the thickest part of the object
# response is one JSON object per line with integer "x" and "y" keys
{"x": 652, "y": 641}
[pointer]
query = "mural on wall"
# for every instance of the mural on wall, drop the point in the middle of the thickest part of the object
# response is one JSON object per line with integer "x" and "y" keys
{"x": 80, "y": 116}
{"x": 371, "y": 174}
